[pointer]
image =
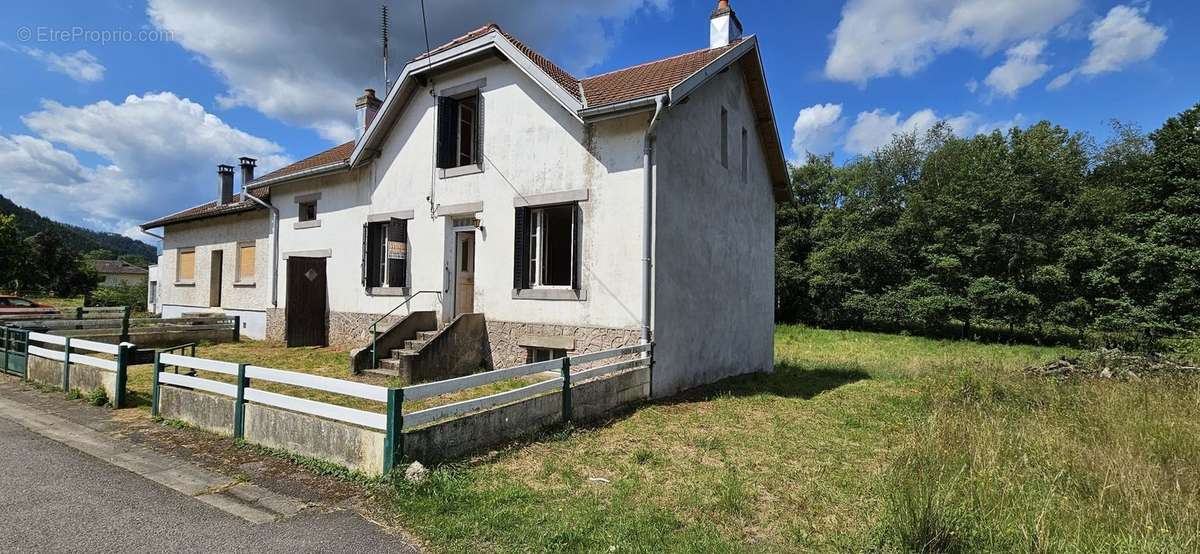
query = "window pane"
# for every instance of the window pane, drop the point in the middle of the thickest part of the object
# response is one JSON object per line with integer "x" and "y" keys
{"x": 19, "y": 302}
{"x": 308, "y": 211}
{"x": 467, "y": 121}
{"x": 557, "y": 245}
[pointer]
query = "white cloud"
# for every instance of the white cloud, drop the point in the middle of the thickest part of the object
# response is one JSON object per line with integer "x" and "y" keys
{"x": 874, "y": 129}
{"x": 1122, "y": 38}
{"x": 80, "y": 65}
{"x": 1022, "y": 66}
{"x": 159, "y": 154}
{"x": 816, "y": 129}
{"x": 304, "y": 62}
{"x": 876, "y": 38}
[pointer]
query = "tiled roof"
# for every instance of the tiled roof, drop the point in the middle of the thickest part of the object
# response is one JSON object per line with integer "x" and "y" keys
{"x": 565, "y": 80}
{"x": 338, "y": 153}
{"x": 116, "y": 266}
{"x": 210, "y": 209}
{"x": 648, "y": 79}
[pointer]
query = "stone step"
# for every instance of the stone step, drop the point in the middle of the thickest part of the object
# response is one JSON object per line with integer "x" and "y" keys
{"x": 383, "y": 371}
{"x": 413, "y": 344}
{"x": 403, "y": 353}
{"x": 426, "y": 335}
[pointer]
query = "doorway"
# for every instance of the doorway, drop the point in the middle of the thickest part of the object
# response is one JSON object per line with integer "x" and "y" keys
{"x": 464, "y": 273}
{"x": 307, "y": 302}
{"x": 214, "y": 281}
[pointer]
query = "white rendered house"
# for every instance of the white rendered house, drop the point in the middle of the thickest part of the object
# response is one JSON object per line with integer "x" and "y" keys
{"x": 536, "y": 213}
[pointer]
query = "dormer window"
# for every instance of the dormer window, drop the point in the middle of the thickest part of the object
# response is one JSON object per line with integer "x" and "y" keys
{"x": 460, "y": 132}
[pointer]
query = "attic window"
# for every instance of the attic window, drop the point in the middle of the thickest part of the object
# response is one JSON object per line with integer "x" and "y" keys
{"x": 308, "y": 211}
{"x": 460, "y": 131}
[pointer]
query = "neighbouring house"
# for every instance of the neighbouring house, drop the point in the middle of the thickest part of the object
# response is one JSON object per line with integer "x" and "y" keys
{"x": 115, "y": 273}
{"x": 152, "y": 305}
{"x": 493, "y": 201}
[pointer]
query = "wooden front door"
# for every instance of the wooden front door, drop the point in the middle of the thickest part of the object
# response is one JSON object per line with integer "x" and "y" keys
{"x": 464, "y": 274}
{"x": 307, "y": 302}
{"x": 214, "y": 279}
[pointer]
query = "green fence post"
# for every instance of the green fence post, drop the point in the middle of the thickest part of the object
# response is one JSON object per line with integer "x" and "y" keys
{"x": 79, "y": 312}
{"x": 239, "y": 405}
{"x": 6, "y": 346}
{"x": 123, "y": 355}
{"x": 566, "y": 390}
{"x": 66, "y": 372}
{"x": 125, "y": 325}
{"x": 154, "y": 389}
{"x": 237, "y": 328}
{"x": 650, "y": 355}
{"x": 393, "y": 440}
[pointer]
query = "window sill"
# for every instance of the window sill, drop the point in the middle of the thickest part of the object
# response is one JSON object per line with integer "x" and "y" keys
{"x": 307, "y": 224}
{"x": 185, "y": 283}
{"x": 460, "y": 171}
{"x": 387, "y": 291}
{"x": 246, "y": 284}
{"x": 550, "y": 294}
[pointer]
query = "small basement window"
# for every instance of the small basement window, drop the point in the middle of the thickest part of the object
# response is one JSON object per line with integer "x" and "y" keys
{"x": 545, "y": 354}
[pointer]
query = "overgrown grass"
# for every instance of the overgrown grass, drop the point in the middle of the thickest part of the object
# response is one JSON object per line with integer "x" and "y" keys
{"x": 859, "y": 441}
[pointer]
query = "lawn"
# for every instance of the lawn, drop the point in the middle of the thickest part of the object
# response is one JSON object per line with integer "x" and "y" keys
{"x": 326, "y": 362}
{"x": 857, "y": 442}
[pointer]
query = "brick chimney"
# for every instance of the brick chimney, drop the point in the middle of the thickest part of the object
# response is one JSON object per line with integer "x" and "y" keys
{"x": 225, "y": 184}
{"x": 247, "y": 164}
{"x": 724, "y": 26}
{"x": 367, "y": 106}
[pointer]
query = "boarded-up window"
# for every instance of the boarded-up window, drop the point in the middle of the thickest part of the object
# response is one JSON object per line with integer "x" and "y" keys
{"x": 245, "y": 263}
{"x": 186, "y": 270}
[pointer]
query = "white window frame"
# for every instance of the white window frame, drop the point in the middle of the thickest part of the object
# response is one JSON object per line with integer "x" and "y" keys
{"x": 550, "y": 354}
{"x": 538, "y": 251}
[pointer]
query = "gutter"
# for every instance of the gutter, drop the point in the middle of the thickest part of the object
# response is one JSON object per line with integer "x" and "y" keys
{"x": 274, "y": 246}
{"x": 648, "y": 215}
{"x": 620, "y": 109}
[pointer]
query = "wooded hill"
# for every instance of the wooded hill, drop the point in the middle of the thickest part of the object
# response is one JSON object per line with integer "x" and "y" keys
{"x": 1036, "y": 230}
{"x": 81, "y": 240}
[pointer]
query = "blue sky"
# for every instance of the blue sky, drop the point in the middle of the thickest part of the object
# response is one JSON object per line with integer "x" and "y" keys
{"x": 114, "y": 112}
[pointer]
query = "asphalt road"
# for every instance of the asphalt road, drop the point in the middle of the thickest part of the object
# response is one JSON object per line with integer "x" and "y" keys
{"x": 54, "y": 498}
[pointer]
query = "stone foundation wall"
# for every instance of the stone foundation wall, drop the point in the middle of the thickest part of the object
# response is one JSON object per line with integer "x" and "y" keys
{"x": 509, "y": 341}
{"x": 346, "y": 329}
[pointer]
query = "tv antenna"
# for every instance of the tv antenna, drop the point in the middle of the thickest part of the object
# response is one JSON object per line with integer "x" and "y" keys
{"x": 383, "y": 26}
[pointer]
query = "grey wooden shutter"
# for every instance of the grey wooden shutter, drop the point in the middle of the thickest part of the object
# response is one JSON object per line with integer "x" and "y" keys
{"x": 364, "y": 256}
{"x": 447, "y": 130}
{"x": 397, "y": 253}
{"x": 521, "y": 250}
{"x": 576, "y": 251}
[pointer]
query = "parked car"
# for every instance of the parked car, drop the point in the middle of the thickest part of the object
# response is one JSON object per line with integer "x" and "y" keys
{"x": 13, "y": 305}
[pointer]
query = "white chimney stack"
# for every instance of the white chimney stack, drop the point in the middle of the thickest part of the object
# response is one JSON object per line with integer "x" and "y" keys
{"x": 724, "y": 27}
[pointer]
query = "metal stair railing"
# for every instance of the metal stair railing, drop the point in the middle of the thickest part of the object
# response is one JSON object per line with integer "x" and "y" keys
{"x": 375, "y": 325}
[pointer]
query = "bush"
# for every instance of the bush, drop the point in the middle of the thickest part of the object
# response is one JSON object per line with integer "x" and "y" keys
{"x": 133, "y": 296}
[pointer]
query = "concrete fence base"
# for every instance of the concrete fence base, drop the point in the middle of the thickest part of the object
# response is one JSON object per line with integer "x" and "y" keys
{"x": 82, "y": 378}
{"x": 362, "y": 449}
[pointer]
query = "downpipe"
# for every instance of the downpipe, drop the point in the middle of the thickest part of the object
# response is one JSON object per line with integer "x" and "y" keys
{"x": 274, "y": 246}
{"x": 648, "y": 213}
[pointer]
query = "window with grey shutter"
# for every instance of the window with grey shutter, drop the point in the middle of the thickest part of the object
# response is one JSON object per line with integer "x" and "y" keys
{"x": 397, "y": 253}
{"x": 365, "y": 255}
{"x": 521, "y": 250}
{"x": 447, "y": 139}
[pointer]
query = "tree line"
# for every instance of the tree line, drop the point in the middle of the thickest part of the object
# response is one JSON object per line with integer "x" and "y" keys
{"x": 42, "y": 263}
{"x": 1038, "y": 232}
